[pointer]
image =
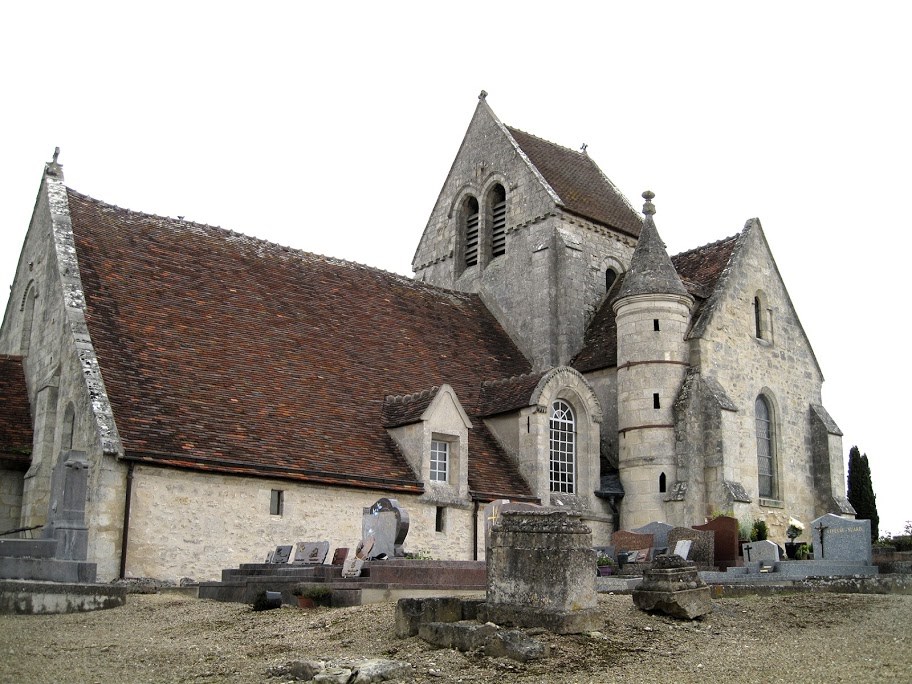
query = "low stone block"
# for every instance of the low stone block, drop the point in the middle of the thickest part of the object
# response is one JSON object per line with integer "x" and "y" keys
{"x": 687, "y": 604}
{"x": 411, "y": 613}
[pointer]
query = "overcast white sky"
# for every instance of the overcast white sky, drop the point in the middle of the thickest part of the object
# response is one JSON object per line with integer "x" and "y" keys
{"x": 330, "y": 127}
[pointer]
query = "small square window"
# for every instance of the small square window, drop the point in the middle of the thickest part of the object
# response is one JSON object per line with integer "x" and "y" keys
{"x": 277, "y": 502}
{"x": 440, "y": 456}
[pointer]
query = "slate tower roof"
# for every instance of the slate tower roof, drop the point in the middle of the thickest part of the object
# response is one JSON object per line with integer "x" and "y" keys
{"x": 651, "y": 270}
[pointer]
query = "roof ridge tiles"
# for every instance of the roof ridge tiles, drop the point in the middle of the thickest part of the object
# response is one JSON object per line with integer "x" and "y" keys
{"x": 263, "y": 241}
{"x": 707, "y": 245}
{"x": 414, "y": 396}
{"x": 512, "y": 378}
{"x": 550, "y": 142}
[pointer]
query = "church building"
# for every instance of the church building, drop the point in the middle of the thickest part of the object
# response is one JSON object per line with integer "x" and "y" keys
{"x": 218, "y": 395}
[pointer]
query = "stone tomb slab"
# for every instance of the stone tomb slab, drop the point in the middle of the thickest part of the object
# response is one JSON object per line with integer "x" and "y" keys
{"x": 659, "y": 532}
{"x": 682, "y": 548}
{"x": 311, "y": 553}
{"x": 622, "y": 540}
{"x": 388, "y": 523}
{"x": 339, "y": 555}
{"x": 764, "y": 552}
{"x": 840, "y": 539}
{"x": 280, "y": 555}
{"x": 702, "y": 550}
{"x": 725, "y": 529}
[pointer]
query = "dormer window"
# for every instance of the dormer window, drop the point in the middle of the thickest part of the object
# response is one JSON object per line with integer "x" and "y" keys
{"x": 498, "y": 202}
{"x": 440, "y": 459}
{"x": 471, "y": 231}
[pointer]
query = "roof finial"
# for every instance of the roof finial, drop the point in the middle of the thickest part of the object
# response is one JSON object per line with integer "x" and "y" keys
{"x": 53, "y": 168}
{"x": 583, "y": 148}
{"x": 649, "y": 208}
{"x": 483, "y": 95}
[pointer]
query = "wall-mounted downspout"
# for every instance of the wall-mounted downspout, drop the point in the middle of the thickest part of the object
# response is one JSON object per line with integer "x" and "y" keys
{"x": 125, "y": 536}
{"x": 475, "y": 531}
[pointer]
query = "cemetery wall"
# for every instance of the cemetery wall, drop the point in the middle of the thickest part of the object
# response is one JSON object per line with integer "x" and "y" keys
{"x": 186, "y": 524}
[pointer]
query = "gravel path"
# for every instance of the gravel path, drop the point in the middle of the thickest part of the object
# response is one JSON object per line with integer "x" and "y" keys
{"x": 165, "y": 637}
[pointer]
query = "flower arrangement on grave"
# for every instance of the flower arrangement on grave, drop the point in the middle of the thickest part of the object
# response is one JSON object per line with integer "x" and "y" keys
{"x": 759, "y": 531}
{"x": 795, "y": 528}
{"x": 606, "y": 565}
{"x": 310, "y": 596}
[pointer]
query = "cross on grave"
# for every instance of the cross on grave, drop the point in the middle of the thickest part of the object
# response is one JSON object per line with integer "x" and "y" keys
{"x": 747, "y": 549}
{"x": 821, "y": 528}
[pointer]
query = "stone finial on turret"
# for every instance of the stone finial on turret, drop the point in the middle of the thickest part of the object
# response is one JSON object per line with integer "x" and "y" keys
{"x": 648, "y": 207}
{"x": 483, "y": 95}
{"x": 52, "y": 168}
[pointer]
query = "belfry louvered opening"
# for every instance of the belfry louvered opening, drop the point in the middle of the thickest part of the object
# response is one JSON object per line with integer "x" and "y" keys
{"x": 498, "y": 200}
{"x": 471, "y": 231}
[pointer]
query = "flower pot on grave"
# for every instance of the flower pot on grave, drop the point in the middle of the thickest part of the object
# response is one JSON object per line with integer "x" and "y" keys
{"x": 306, "y": 602}
{"x": 791, "y": 549}
{"x": 605, "y": 570}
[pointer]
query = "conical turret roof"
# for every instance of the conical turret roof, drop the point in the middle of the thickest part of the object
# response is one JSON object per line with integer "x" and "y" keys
{"x": 651, "y": 270}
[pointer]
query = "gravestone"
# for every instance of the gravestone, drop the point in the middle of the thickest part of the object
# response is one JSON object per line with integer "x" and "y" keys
{"x": 66, "y": 511}
{"x": 839, "y": 539}
{"x": 639, "y": 545}
{"x": 339, "y": 555}
{"x": 388, "y": 523}
{"x": 659, "y": 532}
{"x": 311, "y": 553}
{"x": 280, "y": 555}
{"x": 725, "y": 529}
{"x": 540, "y": 572}
{"x": 702, "y": 550}
{"x": 764, "y": 552}
{"x": 682, "y": 548}
{"x": 351, "y": 567}
{"x": 493, "y": 511}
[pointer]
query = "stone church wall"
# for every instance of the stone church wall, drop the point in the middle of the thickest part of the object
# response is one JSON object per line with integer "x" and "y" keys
{"x": 177, "y": 522}
{"x": 10, "y": 498}
{"x": 782, "y": 368}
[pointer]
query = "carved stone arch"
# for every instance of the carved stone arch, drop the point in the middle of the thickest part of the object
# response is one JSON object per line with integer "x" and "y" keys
{"x": 495, "y": 198}
{"x": 568, "y": 383}
{"x": 459, "y": 216}
{"x": 27, "y": 308}
{"x": 609, "y": 269}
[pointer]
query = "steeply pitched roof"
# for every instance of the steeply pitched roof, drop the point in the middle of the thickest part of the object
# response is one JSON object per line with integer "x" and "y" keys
{"x": 579, "y": 183}
{"x": 15, "y": 414}
{"x": 226, "y": 353}
{"x": 699, "y": 270}
{"x": 651, "y": 271}
{"x": 508, "y": 394}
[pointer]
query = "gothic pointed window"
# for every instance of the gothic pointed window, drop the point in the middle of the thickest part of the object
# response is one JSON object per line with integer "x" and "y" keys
{"x": 497, "y": 200}
{"x": 766, "y": 466}
{"x": 563, "y": 448}
{"x": 471, "y": 231}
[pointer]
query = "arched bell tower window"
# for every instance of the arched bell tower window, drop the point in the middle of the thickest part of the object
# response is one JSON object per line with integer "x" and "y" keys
{"x": 763, "y": 318}
{"x": 663, "y": 486}
{"x": 471, "y": 231}
{"x": 766, "y": 453}
{"x": 563, "y": 448}
{"x": 497, "y": 200}
{"x": 610, "y": 276}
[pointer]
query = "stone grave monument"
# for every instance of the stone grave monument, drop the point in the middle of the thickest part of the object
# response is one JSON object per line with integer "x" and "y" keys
{"x": 637, "y": 546}
{"x": 310, "y": 553}
{"x": 702, "y": 550}
{"x": 840, "y": 539}
{"x": 725, "y": 542}
{"x": 493, "y": 511}
{"x": 388, "y": 523}
{"x": 540, "y": 572}
{"x": 659, "y": 532}
{"x": 763, "y": 552}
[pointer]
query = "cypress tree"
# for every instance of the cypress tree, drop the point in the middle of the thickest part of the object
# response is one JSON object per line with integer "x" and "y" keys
{"x": 861, "y": 491}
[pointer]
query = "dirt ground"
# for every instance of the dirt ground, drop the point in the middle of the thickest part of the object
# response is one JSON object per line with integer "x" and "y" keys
{"x": 172, "y": 638}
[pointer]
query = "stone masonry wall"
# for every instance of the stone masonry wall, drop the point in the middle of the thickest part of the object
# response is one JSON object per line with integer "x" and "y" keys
{"x": 177, "y": 522}
{"x": 782, "y": 368}
{"x": 10, "y": 498}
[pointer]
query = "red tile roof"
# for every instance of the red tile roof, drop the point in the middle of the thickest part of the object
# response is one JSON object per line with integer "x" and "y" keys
{"x": 579, "y": 182}
{"x": 226, "y": 353}
{"x": 508, "y": 394}
{"x": 15, "y": 414}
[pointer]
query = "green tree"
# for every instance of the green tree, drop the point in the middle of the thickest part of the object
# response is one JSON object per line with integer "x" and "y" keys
{"x": 861, "y": 491}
